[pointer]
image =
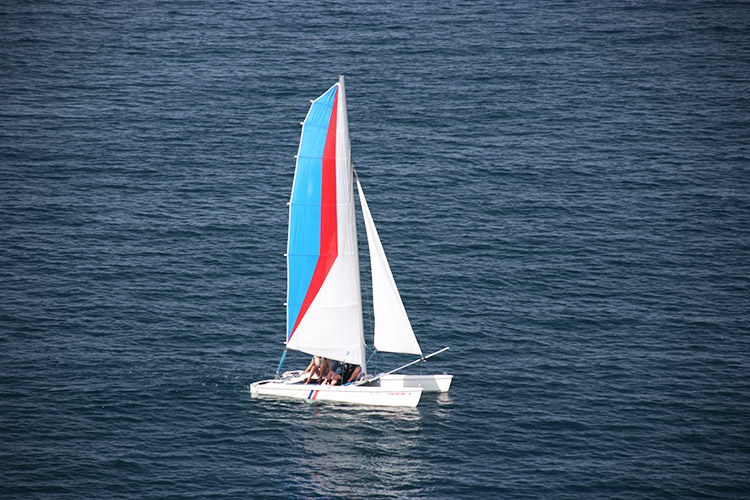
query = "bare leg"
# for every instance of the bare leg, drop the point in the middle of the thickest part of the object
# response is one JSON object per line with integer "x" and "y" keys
{"x": 315, "y": 371}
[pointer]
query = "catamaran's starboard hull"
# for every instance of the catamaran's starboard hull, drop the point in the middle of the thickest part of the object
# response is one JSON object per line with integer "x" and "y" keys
{"x": 363, "y": 395}
{"x": 428, "y": 383}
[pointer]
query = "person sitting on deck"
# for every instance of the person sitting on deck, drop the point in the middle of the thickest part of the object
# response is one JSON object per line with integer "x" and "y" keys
{"x": 318, "y": 368}
{"x": 349, "y": 373}
{"x": 334, "y": 370}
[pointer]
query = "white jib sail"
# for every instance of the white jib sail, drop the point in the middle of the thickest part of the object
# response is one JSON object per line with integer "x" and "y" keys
{"x": 393, "y": 331}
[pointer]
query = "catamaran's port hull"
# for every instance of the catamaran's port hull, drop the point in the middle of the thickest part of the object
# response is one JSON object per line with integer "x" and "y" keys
{"x": 428, "y": 383}
{"x": 363, "y": 395}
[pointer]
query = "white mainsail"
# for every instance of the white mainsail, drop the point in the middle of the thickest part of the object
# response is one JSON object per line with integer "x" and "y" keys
{"x": 393, "y": 331}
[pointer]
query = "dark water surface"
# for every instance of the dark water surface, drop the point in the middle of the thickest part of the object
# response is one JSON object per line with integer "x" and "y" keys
{"x": 563, "y": 189}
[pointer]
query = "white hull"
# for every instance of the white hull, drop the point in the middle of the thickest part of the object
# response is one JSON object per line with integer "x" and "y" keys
{"x": 356, "y": 394}
{"x": 428, "y": 383}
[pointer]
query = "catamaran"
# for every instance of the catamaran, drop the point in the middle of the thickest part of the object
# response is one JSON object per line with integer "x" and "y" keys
{"x": 324, "y": 297}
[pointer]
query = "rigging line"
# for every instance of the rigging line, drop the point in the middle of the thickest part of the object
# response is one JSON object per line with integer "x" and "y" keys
{"x": 283, "y": 356}
{"x": 374, "y": 352}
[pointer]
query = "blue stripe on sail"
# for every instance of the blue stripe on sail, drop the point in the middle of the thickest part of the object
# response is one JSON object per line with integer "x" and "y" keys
{"x": 304, "y": 218}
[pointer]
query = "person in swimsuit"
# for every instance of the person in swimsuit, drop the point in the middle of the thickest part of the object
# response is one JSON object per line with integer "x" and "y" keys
{"x": 334, "y": 372}
{"x": 349, "y": 373}
{"x": 318, "y": 367}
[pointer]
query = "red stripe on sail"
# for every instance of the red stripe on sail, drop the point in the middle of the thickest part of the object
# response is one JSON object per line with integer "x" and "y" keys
{"x": 329, "y": 244}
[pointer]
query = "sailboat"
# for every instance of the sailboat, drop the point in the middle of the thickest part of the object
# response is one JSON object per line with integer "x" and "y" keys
{"x": 324, "y": 298}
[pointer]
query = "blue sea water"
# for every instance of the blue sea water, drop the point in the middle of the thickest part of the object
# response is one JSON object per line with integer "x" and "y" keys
{"x": 563, "y": 190}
